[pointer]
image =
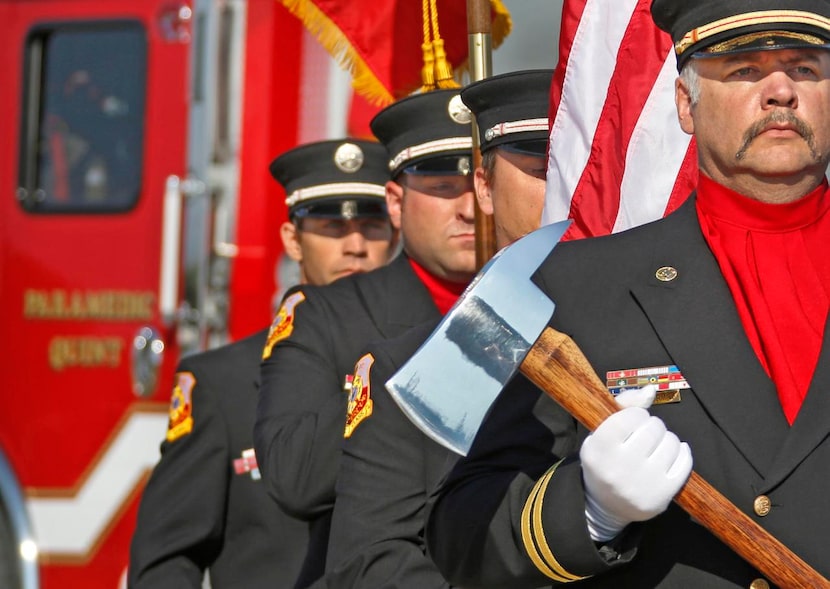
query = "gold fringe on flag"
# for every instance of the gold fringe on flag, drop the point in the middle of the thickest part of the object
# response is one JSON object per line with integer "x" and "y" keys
{"x": 502, "y": 23}
{"x": 337, "y": 44}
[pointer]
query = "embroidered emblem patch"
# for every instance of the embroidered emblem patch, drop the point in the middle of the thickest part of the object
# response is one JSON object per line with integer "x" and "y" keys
{"x": 668, "y": 379}
{"x": 283, "y": 323}
{"x": 360, "y": 400}
{"x": 181, "y": 407}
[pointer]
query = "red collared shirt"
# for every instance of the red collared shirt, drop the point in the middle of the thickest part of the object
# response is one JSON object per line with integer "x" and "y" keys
{"x": 443, "y": 292}
{"x": 775, "y": 260}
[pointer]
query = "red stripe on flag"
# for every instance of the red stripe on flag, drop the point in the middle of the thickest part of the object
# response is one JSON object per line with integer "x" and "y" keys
{"x": 641, "y": 56}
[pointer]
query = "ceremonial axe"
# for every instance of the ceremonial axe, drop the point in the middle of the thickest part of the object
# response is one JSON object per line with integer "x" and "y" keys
{"x": 499, "y": 326}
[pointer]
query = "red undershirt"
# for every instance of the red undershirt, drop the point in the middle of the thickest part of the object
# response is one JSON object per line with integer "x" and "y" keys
{"x": 775, "y": 260}
{"x": 443, "y": 292}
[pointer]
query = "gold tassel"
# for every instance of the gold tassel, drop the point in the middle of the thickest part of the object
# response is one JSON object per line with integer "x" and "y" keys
{"x": 428, "y": 69}
{"x": 443, "y": 68}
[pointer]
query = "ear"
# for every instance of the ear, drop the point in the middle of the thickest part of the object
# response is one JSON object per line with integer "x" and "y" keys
{"x": 483, "y": 195}
{"x": 291, "y": 241}
{"x": 394, "y": 202}
{"x": 683, "y": 102}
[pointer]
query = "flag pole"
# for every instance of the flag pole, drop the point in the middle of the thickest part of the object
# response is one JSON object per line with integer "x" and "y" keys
{"x": 479, "y": 34}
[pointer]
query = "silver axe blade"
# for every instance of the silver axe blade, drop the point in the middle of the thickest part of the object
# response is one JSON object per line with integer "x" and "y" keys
{"x": 484, "y": 337}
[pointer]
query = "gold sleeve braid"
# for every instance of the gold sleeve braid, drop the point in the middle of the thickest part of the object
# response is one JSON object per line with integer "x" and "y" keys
{"x": 533, "y": 533}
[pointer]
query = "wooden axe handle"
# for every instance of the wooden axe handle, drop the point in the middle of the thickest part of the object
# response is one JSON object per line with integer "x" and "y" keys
{"x": 556, "y": 365}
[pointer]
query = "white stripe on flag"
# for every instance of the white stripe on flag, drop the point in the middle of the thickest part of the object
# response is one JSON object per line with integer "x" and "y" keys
{"x": 618, "y": 157}
{"x": 656, "y": 151}
{"x": 590, "y": 67}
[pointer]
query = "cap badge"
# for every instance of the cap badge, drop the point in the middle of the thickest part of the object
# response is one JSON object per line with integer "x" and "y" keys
{"x": 458, "y": 111}
{"x": 464, "y": 167}
{"x": 348, "y": 158}
{"x": 348, "y": 209}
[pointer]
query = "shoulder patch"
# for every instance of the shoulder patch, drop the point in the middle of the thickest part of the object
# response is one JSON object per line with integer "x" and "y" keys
{"x": 360, "y": 399}
{"x": 283, "y": 323}
{"x": 181, "y": 407}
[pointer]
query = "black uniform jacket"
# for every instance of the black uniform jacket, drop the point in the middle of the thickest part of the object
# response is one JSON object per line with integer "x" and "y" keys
{"x": 610, "y": 300}
{"x": 302, "y": 404}
{"x": 196, "y": 513}
{"x": 386, "y": 474}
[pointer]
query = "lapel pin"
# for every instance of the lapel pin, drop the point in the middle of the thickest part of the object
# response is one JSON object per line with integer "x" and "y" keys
{"x": 666, "y": 274}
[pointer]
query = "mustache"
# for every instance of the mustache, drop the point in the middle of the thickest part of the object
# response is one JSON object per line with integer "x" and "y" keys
{"x": 778, "y": 117}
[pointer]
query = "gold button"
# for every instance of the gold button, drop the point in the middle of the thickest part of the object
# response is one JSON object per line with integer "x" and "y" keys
{"x": 759, "y": 584}
{"x": 762, "y": 506}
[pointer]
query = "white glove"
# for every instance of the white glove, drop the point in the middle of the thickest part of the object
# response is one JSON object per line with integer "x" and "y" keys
{"x": 632, "y": 467}
{"x": 642, "y": 397}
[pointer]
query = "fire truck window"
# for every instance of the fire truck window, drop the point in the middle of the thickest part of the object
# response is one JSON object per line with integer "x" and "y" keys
{"x": 83, "y": 134}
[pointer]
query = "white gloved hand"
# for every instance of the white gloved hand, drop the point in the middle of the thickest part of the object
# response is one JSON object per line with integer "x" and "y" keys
{"x": 642, "y": 397}
{"x": 632, "y": 467}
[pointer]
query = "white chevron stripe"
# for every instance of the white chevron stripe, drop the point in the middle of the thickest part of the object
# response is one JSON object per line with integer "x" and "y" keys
{"x": 71, "y": 526}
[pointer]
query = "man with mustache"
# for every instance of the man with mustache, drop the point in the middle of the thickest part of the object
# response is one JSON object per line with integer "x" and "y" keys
{"x": 308, "y": 362}
{"x": 727, "y": 299}
{"x": 205, "y": 509}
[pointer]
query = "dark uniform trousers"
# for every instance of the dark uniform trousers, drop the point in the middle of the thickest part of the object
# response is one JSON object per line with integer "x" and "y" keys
{"x": 609, "y": 299}
{"x": 302, "y": 404}
{"x": 196, "y": 513}
{"x": 386, "y": 474}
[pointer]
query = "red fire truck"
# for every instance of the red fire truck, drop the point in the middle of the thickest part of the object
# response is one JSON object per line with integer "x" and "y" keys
{"x": 136, "y": 224}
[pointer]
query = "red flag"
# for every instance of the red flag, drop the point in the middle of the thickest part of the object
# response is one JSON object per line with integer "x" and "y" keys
{"x": 361, "y": 113}
{"x": 618, "y": 157}
{"x": 379, "y": 41}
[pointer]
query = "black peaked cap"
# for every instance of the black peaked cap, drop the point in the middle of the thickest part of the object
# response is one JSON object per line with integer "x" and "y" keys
{"x": 422, "y": 127}
{"x": 723, "y": 26}
{"x": 318, "y": 176}
{"x": 511, "y": 108}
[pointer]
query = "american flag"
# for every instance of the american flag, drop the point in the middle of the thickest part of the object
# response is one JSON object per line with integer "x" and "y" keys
{"x": 618, "y": 157}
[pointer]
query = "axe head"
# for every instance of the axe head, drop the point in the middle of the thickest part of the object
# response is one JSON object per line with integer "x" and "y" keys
{"x": 449, "y": 384}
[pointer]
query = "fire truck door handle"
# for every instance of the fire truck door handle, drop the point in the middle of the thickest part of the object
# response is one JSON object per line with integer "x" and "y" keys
{"x": 171, "y": 238}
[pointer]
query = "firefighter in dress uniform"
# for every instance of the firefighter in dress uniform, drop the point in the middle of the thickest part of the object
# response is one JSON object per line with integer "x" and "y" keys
{"x": 729, "y": 295}
{"x": 306, "y": 374}
{"x": 205, "y": 507}
{"x": 389, "y": 467}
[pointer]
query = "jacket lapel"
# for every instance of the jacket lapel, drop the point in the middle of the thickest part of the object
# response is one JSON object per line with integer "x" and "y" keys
{"x": 695, "y": 317}
{"x": 811, "y": 426}
{"x": 399, "y": 300}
